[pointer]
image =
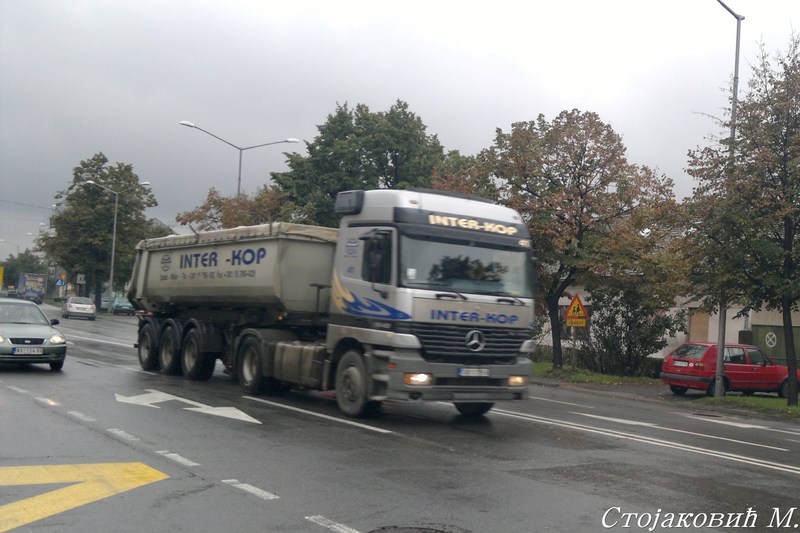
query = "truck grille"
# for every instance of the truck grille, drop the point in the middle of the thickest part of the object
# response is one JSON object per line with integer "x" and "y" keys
{"x": 448, "y": 343}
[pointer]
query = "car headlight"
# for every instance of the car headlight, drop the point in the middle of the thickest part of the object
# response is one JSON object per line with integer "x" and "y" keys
{"x": 2, "y": 339}
{"x": 58, "y": 339}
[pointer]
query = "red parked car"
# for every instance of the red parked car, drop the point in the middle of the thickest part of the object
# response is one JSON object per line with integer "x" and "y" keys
{"x": 746, "y": 369}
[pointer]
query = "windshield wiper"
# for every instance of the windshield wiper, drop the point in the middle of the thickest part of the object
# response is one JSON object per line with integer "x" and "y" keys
{"x": 513, "y": 300}
{"x": 452, "y": 294}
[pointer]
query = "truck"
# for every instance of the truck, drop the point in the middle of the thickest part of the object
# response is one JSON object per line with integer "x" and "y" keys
{"x": 419, "y": 295}
{"x": 31, "y": 286}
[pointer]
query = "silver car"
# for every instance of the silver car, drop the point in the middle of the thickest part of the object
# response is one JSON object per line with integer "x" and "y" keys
{"x": 26, "y": 336}
{"x": 78, "y": 306}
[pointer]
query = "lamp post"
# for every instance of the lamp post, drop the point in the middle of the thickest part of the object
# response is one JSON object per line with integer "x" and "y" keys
{"x": 719, "y": 385}
{"x": 114, "y": 233}
{"x": 240, "y": 148}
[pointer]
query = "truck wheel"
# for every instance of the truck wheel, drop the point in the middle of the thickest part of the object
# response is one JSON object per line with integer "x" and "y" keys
{"x": 248, "y": 366}
{"x": 196, "y": 365}
{"x": 168, "y": 356}
{"x": 473, "y": 408}
{"x": 148, "y": 355}
{"x": 351, "y": 386}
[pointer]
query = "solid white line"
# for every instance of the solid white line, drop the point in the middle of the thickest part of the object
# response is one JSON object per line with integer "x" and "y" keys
{"x": 81, "y": 416}
{"x": 330, "y": 524}
{"x": 557, "y": 401}
{"x": 177, "y": 458}
{"x": 654, "y": 441}
{"x": 326, "y": 417}
{"x": 123, "y": 434}
{"x": 129, "y": 345}
{"x": 675, "y": 430}
{"x": 264, "y": 495}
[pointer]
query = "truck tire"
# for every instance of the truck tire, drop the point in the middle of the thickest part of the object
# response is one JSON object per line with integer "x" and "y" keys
{"x": 352, "y": 384}
{"x": 196, "y": 365}
{"x": 473, "y": 409}
{"x": 168, "y": 355}
{"x": 148, "y": 349}
{"x": 248, "y": 366}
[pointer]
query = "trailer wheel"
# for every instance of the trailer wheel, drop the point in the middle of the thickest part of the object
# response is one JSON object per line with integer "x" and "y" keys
{"x": 473, "y": 408}
{"x": 168, "y": 355}
{"x": 148, "y": 354}
{"x": 248, "y": 366}
{"x": 196, "y": 365}
{"x": 352, "y": 384}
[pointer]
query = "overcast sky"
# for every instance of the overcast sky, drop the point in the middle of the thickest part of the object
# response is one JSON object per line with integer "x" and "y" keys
{"x": 79, "y": 77}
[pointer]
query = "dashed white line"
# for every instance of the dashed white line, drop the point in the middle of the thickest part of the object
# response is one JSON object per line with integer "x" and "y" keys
{"x": 81, "y": 416}
{"x": 330, "y": 524}
{"x": 264, "y": 495}
{"x": 123, "y": 435}
{"x": 177, "y": 458}
{"x": 17, "y": 389}
{"x": 47, "y": 401}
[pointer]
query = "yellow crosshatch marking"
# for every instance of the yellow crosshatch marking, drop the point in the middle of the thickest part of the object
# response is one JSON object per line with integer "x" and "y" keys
{"x": 89, "y": 483}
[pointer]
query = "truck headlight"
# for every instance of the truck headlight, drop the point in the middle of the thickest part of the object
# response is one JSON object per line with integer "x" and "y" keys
{"x": 417, "y": 379}
{"x": 517, "y": 381}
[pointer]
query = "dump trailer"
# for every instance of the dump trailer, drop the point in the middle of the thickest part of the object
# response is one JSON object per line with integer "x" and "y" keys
{"x": 419, "y": 295}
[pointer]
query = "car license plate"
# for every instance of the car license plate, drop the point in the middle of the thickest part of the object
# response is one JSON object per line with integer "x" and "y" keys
{"x": 680, "y": 363}
{"x": 473, "y": 372}
{"x": 26, "y": 350}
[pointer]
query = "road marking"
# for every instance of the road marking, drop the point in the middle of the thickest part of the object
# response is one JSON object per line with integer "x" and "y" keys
{"x": 90, "y": 483}
{"x": 123, "y": 435}
{"x": 675, "y": 430}
{"x": 264, "y": 495}
{"x": 558, "y": 401}
{"x": 17, "y": 389}
{"x": 319, "y": 415}
{"x": 155, "y": 396}
{"x": 177, "y": 458}
{"x": 81, "y": 416}
{"x": 47, "y": 401}
{"x": 653, "y": 441}
{"x": 128, "y": 345}
{"x": 727, "y": 422}
{"x": 330, "y": 524}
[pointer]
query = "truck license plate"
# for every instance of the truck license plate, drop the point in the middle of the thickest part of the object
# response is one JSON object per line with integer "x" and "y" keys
{"x": 25, "y": 350}
{"x": 473, "y": 372}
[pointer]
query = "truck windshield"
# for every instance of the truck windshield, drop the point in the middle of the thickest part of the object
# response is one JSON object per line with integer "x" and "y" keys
{"x": 430, "y": 262}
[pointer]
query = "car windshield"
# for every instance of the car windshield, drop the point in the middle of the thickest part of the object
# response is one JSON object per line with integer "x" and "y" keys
{"x": 18, "y": 313}
{"x": 690, "y": 351}
{"x": 82, "y": 301}
{"x": 428, "y": 262}
{"x": 122, "y": 303}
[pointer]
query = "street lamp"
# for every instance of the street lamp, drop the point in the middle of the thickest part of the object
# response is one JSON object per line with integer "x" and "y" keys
{"x": 241, "y": 149}
{"x": 719, "y": 385}
{"x": 114, "y": 233}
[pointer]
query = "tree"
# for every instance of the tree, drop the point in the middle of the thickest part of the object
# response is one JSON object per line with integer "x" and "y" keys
{"x": 579, "y": 196}
{"x": 358, "y": 149}
{"x": 24, "y": 262}
{"x": 82, "y": 225}
{"x": 268, "y": 204}
{"x": 755, "y": 198}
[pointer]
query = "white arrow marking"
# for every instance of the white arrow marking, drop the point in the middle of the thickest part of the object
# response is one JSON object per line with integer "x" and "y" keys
{"x": 154, "y": 396}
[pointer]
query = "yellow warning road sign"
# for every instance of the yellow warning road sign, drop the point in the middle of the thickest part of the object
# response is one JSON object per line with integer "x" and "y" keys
{"x": 576, "y": 313}
{"x": 89, "y": 483}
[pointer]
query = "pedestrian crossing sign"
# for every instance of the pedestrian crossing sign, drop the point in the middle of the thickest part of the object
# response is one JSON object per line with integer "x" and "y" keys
{"x": 576, "y": 313}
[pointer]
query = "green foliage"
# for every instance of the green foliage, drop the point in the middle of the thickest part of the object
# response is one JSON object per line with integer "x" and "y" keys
{"x": 627, "y": 325}
{"x": 267, "y": 205}
{"x": 81, "y": 233}
{"x": 747, "y": 209}
{"x": 358, "y": 149}
{"x": 584, "y": 204}
{"x": 25, "y": 262}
